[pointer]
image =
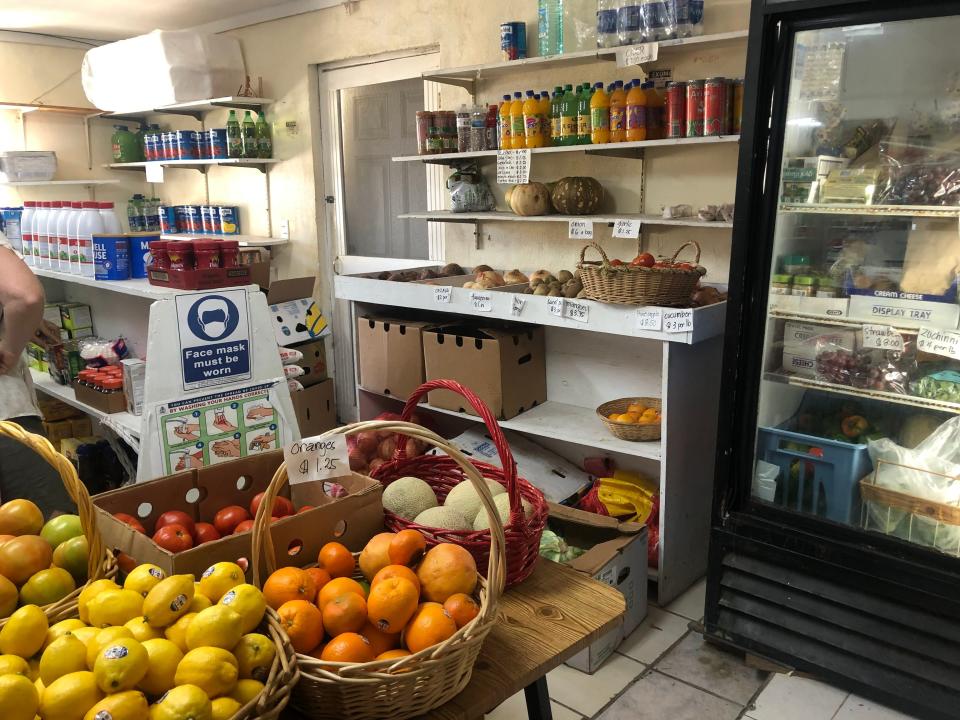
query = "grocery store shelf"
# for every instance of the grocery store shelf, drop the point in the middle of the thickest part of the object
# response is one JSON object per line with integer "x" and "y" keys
{"x": 502, "y": 216}
{"x": 46, "y": 384}
{"x": 195, "y": 108}
{"x": 786, "y": 378}
{"x": 907, "y": 211}
{"x": 847, "y": 322}
{"x": 139, "y": 287}
{"x": 569, "y": 423}
{"x": 41, "y": 183}
{"x": 624, "y": 149}
{"x": 201, "y": 165}
{"x": 603, "y": 317}
{"x": 244, "y": 240}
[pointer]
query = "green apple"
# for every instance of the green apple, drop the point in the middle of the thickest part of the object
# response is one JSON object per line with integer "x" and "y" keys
{"x": 60, "y": 529}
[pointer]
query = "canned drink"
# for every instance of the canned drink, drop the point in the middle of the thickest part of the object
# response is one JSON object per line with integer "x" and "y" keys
{"x": 206, "y": 220}
{"x": 168, "y": 149}
{"x": 675, "y": 110}
{"x": 140, "y": 257}
{"x": 217, "y": 142}
{"x": 193, "y": 220}
{"x": 694, "y": 108}
{"x": 229, "y": 219}
{"x": 150, "y": 146}
{"x": 168, "y": 219}
{"x": 736, "y": 106}
{"x": 513, "y": 41}
{"x": 715, "y": 113}
{"x": 111, "y": 257}
{"x": 185, "y": 145}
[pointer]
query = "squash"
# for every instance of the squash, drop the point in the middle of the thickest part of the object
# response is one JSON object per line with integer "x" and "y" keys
{"x": 530, "y": 199}
{"x": 577, "y": 195}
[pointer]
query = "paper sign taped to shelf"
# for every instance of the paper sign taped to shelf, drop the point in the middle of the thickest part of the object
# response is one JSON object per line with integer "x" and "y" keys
{"x": 939, "y": 342}
{"x": 576, "y": 310}
{"x": 317, "y": 458}
{"x": 513, "y": 167}
{"x": 637, "y": 54}
{"x": 214, "y": 337}
{"x": 677, "y": 321}
{"x": 481, "y": 301}
{"x": 154, "y": 172}
{"x": 516, "y": 305}
{"x": 442, "y": 294}
{"x": 626, "y": 228}
{"x": 649, "y": 318}
{"x": 580, "y": 229}
{"x": 882, "y": 337}
{"x": 555, "y": 306}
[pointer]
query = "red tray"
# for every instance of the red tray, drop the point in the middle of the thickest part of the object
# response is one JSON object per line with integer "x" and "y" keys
{"x": 199, "y": 279}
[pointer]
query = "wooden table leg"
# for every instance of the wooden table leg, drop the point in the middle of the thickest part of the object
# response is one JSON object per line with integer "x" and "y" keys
{"x": 538, "y": 700}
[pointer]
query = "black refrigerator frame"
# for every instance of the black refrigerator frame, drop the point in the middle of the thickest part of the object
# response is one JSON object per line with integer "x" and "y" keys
{"x": 870, "y": 613}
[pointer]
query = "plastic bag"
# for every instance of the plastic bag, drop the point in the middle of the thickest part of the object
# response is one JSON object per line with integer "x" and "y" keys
{"x": 917, "y": 174}
{"x": 469, "y": 192}
{"x": 867, "y": 368}
{"x": 97, "y": 352}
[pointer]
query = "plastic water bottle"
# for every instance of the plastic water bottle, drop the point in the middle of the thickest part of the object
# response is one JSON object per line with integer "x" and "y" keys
{"x": 680, "y": 15}
{"x": 695, "y": 15}
{"x": 629, "y": 23}
{"x": 655, "y": 23}
{"x": 607, "y": 24}
{"x": 135, "y": 213}
{"x": 550, "y": 27}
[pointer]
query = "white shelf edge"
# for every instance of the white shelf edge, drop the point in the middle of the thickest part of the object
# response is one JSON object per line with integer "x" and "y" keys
{"x": 40, "y": 183}
{"x": 46, "y": 384}
{"x": 501, "y": 216}
{"x": 137, "y": 287}
{"x": 201, "y": 106}
{"x": 877, "y": 211}
{"x": 244, "y": 240}
{"x": 241, "y": 162}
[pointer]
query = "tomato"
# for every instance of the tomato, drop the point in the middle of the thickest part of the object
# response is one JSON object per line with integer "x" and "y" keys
{"x": 853, "y": 426}
{"x": 643, "y": 260}
{"x": 131, "y": 521}
{"x": 174, "y": 538}
{"x": 227, "y": 519}
{"x": 615, "y": 262}
{"x": 205, "y": 532}
{"x": 685, "y": 266}
{"x": 281, "y": 506}
{"x": 304, "y": 508}
{"x": 175, "y": 517}
{"x": 245, "y": 526}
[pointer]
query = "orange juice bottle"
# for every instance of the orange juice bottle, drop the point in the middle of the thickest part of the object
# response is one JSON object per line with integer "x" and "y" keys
{"x": 504, "y": 120}
{"x": 531, "y": 121}
{"x": 636, "y": 112}
{"x": 545, "y": 128}
{"x": 654, "y": 112}
{"x": 618, "y": 112}
{"x": 518, "y": 139}
{"x": 599, "y": 116}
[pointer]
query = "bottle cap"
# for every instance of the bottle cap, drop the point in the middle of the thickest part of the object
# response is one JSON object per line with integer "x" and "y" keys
{"x": 76, "y": 204}
{"x": 29, "y": 203}
{"x": 90, "y": 204}
{"x": 106, "y": 206}
{"x": 507, "y": 96}
{"x": 518, "y": 94}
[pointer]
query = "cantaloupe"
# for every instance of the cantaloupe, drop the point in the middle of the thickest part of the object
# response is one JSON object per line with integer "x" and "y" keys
{"x": 464, "y": 497}
{"x": 408, "y": 497}
{"x": 482, "y": 522}
{"x": 443, "y": 517}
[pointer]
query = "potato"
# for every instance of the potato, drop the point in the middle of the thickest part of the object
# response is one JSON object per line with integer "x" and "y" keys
{"x": 541, "y": 289}
{"x": 570, "y": 290}
{"x": 451, "y": 269}
{"x": 427, "y": 274}
{"x": 481, "y": 268}
{"x": 514, "y": 277}
{"x": 564, "y": 275}
{"x": 555, "y": 293}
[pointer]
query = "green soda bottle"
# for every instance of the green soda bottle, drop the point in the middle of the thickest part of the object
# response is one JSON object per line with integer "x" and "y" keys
{"x": 249, "y": 136}
{"x": 583, "y": 115}
{"x": 234, "y": 137}
{"x": 264, "y": 141}
{"x": 568, "y": 117}
{"x": 555, "y": 101}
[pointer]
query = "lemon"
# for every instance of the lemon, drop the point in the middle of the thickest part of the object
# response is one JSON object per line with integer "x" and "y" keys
{"x": 90, "y": 592}
{"x": 224, "y": 708}
{"x": 64, "y": 655}
{"x": 114, "y": 607}
{"x": 69, "y": 697}
{"x": 24, "y": 632}
{"x": 177, "y": 633}
{"x": 14, "y": 665}
{"x": 38, "y": 684}
{"x": 220, "y": 577}
{"x": 164, "y": 657}
{"x": 61, "y": 628}
{"x": 217, "y": 626}
{"x": 168, "y": 600}
{"x": 120, "y": 665}
{"x": 102, "y": 638}
{"x": 186, "y": 702}
{"x": 143, "y": 578}
{"x": 199, "y": 602}
{"x": 85, "y": 634}
{"x": 19, "y": 698}
{"x": 141, "y": 630}
{"x": 254, "y": 654}
{"x": 34, "y": 667}
{"x": 129, "y": 705}
{"x": 213, "y": 670}
{"x": 247, "y": 601}
{"x": 246, "y": 690}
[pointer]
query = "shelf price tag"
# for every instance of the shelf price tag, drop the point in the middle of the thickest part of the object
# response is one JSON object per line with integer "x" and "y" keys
{"x": 576, "y": 310}
{"x": 580, "y": 229}
{"x": 637, "y": 54}
{"x": 317, "y": 458}
{"x": 555, "y": 306}
{"x": 626, "y": 228}
{"x": 481, "y": 301}
{"x": 649, "y": 318}
{"x": 516, "y": 305}
{"x": 442, "y": 294}
{"x": 513, "y": 167}
{"x": 882, "y": 337}
{"x": 154, "y": 172}
{"x": 677, "y": 321}
{"x": 939, "y": 342}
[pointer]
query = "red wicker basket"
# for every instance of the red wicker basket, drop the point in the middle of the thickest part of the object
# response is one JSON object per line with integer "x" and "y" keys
{"x": 442, "y": 473}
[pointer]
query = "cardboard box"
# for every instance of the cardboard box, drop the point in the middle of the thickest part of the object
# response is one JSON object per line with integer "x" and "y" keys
{"x": 51, "y": 313}
{"x": 296, "y": 317}
{"x": 617, "y": 556}
{"x": 352, "y": 519}
{"x": 57, "y": 431}
{"x": 104, "y": 402}
{"x": 52, "y": 409}
{"x": 390, "y": 355}
{"x": 315, "y": 408}
{"x": 314, "y": 362}
{"x": 75, "y": 316}
{"x": 81, "y": 426}
{"x": 506, "y": 367}
{"x": 77, "y": 334}
{"x": 134, "y": 380}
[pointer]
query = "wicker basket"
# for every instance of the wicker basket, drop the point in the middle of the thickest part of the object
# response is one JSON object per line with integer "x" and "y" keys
{"x": 629, "y": 431}
{"x": 443, "y": 473}
{"x": 628, "y": 285}
{"x": 412, "y": 685}
{"x": 101, "y": 562}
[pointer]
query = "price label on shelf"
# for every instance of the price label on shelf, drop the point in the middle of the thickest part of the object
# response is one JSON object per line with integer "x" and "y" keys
{"x": 939, "y": 342}
{"x": 481, "y": 301}
{"x": 513, "y": 167}
{"x": 649, "y": 318}
{"x": 677, "y": 321}
{"x": 580, "y": 229}
{"x": 555, "y": 306}
{"x": 317, "y": 458}
{"x": 576, "y": 310}
{"x": 638, "y": 54}
{"x": 154, "y": 172}
{"x": 442, "y": 294}
{"x": 882, "y": 337}
{"x": 626, "y": 228}
{"x": 516, "y": 305}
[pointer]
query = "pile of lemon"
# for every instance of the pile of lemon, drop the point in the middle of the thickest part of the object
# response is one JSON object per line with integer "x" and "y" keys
{"x": 163, "y": 648}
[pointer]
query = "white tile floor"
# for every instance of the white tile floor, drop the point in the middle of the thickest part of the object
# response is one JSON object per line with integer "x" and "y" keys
{"x": 665, "y": 670}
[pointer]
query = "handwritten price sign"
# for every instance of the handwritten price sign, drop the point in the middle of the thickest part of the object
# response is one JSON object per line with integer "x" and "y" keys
{"x": 516, "y": 305}
{"x": 939, "y": 342}
{"x": 580, "y": 230}
{"x": 638, "y": 54}
{"x": 677, "y": 321}
{"x": 576, "y": 310}
{"x": 442, "y": 294}
{"x": 649, "y": 319}
{"x": 555, "y": 306}
{"x": 513, "y": 167}
{"x": 882, "y": 337}
{"x": 482, "y": 302}
{"x": 317, "y": 458}
{"x": 626, "y": 228}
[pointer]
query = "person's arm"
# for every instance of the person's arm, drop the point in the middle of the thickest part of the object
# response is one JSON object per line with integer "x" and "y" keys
{"x": 21, "y": 296}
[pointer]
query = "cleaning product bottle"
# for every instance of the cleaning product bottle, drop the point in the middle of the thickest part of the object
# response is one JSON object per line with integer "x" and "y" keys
{"x": 599, "y": 116}
{"x": 53, "y": 249}
{"x": 555, "y": 103}
{"x": 545, "y": 125}
{"x": 583, "y": 115}
{"x": 636, "y": 112}
{"x": 503, "y": 132}
{"x": 90, "y": 223}
{"x": 531, "y": 121}
{"x": 568, "y": 117}
{"x": 618, "y": 112}
{"x": 72, "y": 238}
{"x": 654, "y": 111}
{"x": 518, "y": 138}
{"x": 63, "y": 241}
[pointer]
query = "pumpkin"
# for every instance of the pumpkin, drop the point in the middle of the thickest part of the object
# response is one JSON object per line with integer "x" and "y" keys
{"x": 577, "y": 195}
{"x": 530, "y": 199}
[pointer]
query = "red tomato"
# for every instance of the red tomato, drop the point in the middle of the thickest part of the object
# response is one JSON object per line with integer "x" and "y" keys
{"x": 227, "y": 519}
{"x": 281, "y": 506}
{"x": 243, "y": 527}
{"x": 685, "y": 266}
{"x": 175, "y": 538}
{"x": 206, "y": 532}
{"x": 175, "y": 517}
{"x": 616, "y": 262}
{"x": 643, "y": 260}
{"x": 131, "y": 521}
{"x": 126, "y": 563}
{"x": 304, "y": 508}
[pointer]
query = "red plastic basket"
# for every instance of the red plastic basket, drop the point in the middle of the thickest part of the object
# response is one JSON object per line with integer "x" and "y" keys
{"x": 442, "y": 473}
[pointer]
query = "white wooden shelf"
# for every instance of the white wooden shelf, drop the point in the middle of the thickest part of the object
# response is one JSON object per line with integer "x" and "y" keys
{"x": 202, "y": 165}
{"x": 195, "y": 108}
{"x": 41, "y": 183}
{"x": 138, "y": 287}
{"x": 46, "y": 384}
{"x": 879, "y": 211}
{"x": 244, "y": 240}
{"x": 503, "y": 216}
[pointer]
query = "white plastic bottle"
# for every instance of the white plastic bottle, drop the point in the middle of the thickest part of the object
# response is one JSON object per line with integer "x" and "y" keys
{"x": 72, "y": 240}
{"x": 26, "y": 230}
{"x": 607, "y": 23}
{"x": 630, "y": 22}
{"x": 63, "y": 244}
{"x": 56, "y": 208}
{"x": 90, "y": 223}
{"x": 41, "y": 249}
{"x": 111, "y": 223}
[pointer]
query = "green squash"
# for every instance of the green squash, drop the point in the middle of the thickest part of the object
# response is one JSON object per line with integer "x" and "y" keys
{"x": 577, "y": 195}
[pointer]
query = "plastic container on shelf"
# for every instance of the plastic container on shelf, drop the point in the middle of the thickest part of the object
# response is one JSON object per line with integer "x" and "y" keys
{"x": 63, "y": 238}
{"x": 654, "y": 111}
{"x": 583, "y": 114}
{"x": 264, "y": 137}
{"x": 695, "y": 15}
{"x": 111, "y": 223}
{"x": 556, "y": 100}
{"x": 518, "y": 139}
{"x": 73, "y": 240}
{"x": 618, "y": 113}
{"x": 599, "y": 116}
{"x": 568, "y": 116}
{"x": 630, "y": 22}
{"x": 41, "y": 244}
{"x": 26, "y": 230}
{"x": 90, "y": 223}
{"x": 505, "y": 126}
{"x": 550, "y": 27}
{"x": 27, "y": 165}
{"x": 50, "y": 233}
{"x": 531, "y": 121}
{"x": 545, "y": 125}
{"x": 125, "y": 145}
{"x": 463, "y": 129}
{"x": 636, "y": 111}
{"x": 607, "y": 23}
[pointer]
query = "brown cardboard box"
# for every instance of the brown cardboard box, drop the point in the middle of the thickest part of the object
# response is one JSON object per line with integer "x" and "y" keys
{"x": 352, "y": 519}
{"x": 104, "y": 402}
{"x": 391, "y": 354}
{"x": 314, "y": 361}
{"x": 505, "y": 367}
{"x": 315, "y": 408}
{"x": 81, "y": 427}
{"x": 57, "y": 431}
{"x": 53, "y": 409}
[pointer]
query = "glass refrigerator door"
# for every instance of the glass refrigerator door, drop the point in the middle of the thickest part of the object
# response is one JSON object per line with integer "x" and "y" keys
{"x": 859, "y": 407}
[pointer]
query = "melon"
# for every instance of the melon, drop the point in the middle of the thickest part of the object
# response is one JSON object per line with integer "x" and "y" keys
{"x": 443, "y": 517}
{"x": 408, "y": 497}
{"x": 530, "y": 199}
{"x": 482, "y": 522}
{"x": 576, "y": 195}
{"x": 464, "y": 497}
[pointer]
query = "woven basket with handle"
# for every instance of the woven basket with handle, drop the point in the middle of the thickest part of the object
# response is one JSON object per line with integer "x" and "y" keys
{"x": 411, "y": 685}
{"x": 100, "y": 562}
{"x": 441, "y": 473}
{"x": 629, "y": 285}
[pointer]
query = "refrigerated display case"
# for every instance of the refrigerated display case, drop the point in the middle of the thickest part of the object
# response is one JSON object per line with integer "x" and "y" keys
{"x": 835, "y": 546}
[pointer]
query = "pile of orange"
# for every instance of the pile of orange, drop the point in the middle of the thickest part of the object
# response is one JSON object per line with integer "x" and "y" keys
{"x": 410, "y": 598}
{"x": 637, "y": 414}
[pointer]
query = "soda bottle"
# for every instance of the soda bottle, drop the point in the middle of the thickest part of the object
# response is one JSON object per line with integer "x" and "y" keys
{"x": 531, "y": 121}
{"x": 599, "y": 116}
{"x": 545, "y": 124}
{"x": 654, "y": 111}
{"x": 618, "y": 112}
{"x": 234, "y": 138}
{"x": 249, "y": 136}
{"x": 518, "y": 137}
{"x": 636, "y": 112}
{"x": 491, "y": 128}
{"x": 555, "y": 103}
{"x": 607, "y": 23}
{"x": 504, "y": 131}
{"x": 264, "y": 141}
{"x": 583, "y": 115}
{"x": 568, "y": 116}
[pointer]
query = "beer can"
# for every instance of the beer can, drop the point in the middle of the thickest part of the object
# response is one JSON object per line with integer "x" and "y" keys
{"x": 695, "y": 108}
{"x": 168, "y": 219}
{"x": 736, "y": 106}
{"x": 675, "y": 110}
{"x": 715, "y": 115}
{"x": 513, "y": 41}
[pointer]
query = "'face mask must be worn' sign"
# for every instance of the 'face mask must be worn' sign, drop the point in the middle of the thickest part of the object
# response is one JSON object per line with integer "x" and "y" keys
{"x": 214, "y": 336}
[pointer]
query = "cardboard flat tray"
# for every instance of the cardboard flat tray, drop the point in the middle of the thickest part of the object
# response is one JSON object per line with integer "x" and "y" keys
{"x": 199, "y": 279}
